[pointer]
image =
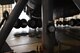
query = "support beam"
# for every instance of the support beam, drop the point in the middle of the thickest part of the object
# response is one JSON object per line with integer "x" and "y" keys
{"x": 11, "y": 21}
{"x": 77, "y": 3}
{"x": 5, "y": 48}
{"x": 48, "y": 39}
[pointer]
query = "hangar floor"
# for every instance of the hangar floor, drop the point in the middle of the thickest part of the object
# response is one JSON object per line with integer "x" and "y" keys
{"x": 22, "y": 43}
{"x": 25, "y": 43}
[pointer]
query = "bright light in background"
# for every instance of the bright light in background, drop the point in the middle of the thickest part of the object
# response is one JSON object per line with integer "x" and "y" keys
{"x": 22, "y": 16}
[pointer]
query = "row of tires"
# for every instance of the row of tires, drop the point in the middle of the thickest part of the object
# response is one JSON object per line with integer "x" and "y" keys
{"x": 72, "y": 22}
{"x": 33, "y": 23}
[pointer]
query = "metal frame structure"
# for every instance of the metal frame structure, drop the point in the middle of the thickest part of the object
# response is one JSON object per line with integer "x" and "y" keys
{"x": 48, "y": 39}
{"x": 11, "y": 21}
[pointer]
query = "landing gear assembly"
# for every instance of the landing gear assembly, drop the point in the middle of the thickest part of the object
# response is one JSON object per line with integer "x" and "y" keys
{"x": 46, "y": 11}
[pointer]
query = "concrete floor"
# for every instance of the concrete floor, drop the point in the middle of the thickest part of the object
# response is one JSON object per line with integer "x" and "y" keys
{"x": 23, "y": 43}
{"x": 26, "y": 43}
